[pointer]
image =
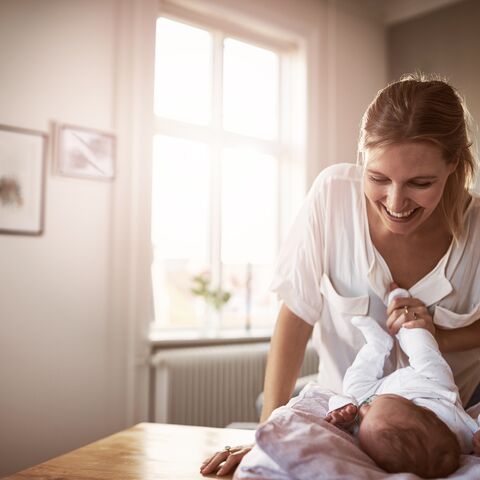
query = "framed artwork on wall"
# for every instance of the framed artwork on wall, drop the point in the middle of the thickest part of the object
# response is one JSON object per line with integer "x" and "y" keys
{"x": 22, "y": 180}
{"x": 85, "y": 152}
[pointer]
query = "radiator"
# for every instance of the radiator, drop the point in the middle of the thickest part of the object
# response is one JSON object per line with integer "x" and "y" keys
{"x": 211, "y": 386}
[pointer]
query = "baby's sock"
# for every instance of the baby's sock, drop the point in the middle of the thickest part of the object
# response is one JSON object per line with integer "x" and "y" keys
{"x": 397, "y": 292}
{"x": 373, "y": 332}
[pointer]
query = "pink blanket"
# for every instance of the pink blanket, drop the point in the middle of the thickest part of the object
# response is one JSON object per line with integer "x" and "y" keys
{"x": 296, "y": 443}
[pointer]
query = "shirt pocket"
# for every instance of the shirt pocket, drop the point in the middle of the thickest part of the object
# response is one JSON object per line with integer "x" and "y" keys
{"x": 447, "y": 319}
{"x": 349, "y": 306}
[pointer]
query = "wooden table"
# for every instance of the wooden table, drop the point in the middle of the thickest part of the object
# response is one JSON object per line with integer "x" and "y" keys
{"x": 146, "y": 451}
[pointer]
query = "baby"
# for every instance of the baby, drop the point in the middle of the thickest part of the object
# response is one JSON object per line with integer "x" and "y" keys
{"x": 411, "y": 420}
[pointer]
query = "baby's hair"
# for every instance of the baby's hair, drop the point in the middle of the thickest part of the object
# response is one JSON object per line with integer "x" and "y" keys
{"x": 397, "y": 449}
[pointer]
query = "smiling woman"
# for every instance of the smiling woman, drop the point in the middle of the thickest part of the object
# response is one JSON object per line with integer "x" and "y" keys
{"x": 415, "y": 124}
{"x": 418, "y": 167}
{"x": 406, "y": 217}
{"x": 404, "y": 184}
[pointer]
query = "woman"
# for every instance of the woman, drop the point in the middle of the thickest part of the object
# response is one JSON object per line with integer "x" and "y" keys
{"x": 404, "y": 216}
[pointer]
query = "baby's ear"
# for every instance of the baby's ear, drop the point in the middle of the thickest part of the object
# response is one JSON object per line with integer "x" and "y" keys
{"x": 392, "y": 287}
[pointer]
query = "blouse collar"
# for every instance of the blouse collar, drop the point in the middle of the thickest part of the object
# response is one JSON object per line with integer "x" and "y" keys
{"x": 430, "y": 289}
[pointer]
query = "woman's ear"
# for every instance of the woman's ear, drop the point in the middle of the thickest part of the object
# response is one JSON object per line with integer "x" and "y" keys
{"x": 452, "y": 166}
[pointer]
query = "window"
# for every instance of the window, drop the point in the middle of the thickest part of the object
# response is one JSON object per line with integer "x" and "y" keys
{"x": 222, "y": 176}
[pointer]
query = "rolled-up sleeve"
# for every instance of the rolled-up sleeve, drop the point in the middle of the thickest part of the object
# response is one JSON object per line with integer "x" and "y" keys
{"x": 299, "y": 265}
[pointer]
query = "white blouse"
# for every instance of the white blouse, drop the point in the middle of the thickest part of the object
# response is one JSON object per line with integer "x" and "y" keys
{"x": 328, "y": 270}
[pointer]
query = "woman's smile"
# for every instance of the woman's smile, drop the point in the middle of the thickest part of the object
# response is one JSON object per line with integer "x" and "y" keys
{"x": 404, "y": 216}
{"x": 404, "y": 185}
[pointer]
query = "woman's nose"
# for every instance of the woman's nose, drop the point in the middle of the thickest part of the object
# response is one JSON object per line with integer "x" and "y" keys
{"x": 395, "y": 198}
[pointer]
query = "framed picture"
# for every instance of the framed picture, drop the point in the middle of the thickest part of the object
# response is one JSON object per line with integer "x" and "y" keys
{"x": 22, "y": 180}
{"x": 84, "y": 152}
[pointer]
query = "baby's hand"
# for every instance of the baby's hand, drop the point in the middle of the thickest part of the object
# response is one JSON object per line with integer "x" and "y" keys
{"x": 343, "y": 417}
{"x": 476, "y": 443}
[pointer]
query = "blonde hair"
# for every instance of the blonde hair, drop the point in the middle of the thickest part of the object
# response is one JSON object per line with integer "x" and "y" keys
{"x": 420, "y": 108}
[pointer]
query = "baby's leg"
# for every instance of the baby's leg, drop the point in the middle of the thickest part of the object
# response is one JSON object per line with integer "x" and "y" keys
{"x": 425, "y": 357}
{"x": 362, "y": 377}
{"x": 374, "y": 334}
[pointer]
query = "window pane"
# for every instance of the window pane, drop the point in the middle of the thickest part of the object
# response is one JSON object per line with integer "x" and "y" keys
{"x": 180, "y": 226}
{"x": 183, "y": 72}
{"x": 249, "y": 235}
{"x": 250, "y": 90}
{"x": 175, "y": 306}
{"x": 180, "y": 196}
{"x": 251, "y": 300}
{"x": 249, "y": 207}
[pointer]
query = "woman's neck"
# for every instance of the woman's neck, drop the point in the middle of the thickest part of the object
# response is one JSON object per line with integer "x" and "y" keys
{"x": 410, "y": 257}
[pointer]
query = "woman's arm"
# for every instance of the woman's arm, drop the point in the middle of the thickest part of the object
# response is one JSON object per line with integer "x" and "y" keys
{"x": 458, "y": 339}
{"x": 287, "y": 349}
{"x": 285, "y": 358}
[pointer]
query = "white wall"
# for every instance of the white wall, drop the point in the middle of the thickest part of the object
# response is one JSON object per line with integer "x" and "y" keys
{"x": 357, "y": 70}
{"x": 74, "y": 303}
{"x": 57, "y": 62}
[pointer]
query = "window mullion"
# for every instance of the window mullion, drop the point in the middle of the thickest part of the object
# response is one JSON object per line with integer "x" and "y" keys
{"x": 216, "y": 151}
{"x": 284, "y": 114}
{"x": 174, "y": 128}
{"x": 237, "y": 140}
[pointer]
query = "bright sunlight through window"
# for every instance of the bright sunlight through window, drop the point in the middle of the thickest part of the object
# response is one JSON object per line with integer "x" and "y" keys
{"x": 250, "y": 102}
{"x": 218, "y": 155}
{"x": 183, "y": 72}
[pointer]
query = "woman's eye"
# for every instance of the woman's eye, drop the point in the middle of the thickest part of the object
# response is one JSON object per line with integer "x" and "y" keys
{"x": 378, "y": 179}
{"x": 420, "y": 184}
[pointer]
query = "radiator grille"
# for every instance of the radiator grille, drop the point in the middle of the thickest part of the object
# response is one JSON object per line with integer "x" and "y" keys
{"x": 212, "y": 386}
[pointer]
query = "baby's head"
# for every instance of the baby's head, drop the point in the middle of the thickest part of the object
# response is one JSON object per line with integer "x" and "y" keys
{"x": 403, "y": 437}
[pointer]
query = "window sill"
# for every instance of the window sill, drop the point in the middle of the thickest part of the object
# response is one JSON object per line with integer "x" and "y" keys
{"x": 193, "y": 338}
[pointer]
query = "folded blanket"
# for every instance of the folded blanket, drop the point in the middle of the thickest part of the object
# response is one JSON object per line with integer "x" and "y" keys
{"x": 296, "y": 443}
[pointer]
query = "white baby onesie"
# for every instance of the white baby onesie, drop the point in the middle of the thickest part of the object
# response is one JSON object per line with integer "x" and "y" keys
{"x": 427, "y": 381}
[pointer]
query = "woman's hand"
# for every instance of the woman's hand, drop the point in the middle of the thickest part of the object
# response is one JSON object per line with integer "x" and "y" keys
{"x": 232, "y": 456}
{"x": 409, "y": 313}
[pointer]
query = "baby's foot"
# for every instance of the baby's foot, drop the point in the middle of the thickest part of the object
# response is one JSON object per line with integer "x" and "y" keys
{"x": 372, "y": 331}
{"x": 397, "y": 293}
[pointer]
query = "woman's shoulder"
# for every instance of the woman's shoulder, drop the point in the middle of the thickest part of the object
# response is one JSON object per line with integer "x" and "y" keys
{"x": 473, "y": 210}
{"x": 347, "y": 174}
{"x": 475, "y": 202}
{"x": 472, "y": 221}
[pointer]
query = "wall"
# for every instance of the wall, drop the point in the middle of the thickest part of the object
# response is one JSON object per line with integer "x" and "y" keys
{"x": 75, "y": 302}
{"x": 357, "y": 70}
{"x": 444, "y": 42}
{"x": 56, "y": 360}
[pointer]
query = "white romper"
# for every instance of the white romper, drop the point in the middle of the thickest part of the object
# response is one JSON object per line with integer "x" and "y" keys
{"x": 427, "y": 381}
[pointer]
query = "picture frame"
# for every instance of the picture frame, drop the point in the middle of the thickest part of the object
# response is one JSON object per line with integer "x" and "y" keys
{"x": 22, "y": 180}
{"x": 85, "y": 152}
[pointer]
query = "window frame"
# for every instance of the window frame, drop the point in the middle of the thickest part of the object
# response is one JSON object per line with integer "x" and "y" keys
{"x": 289, "y": 147}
